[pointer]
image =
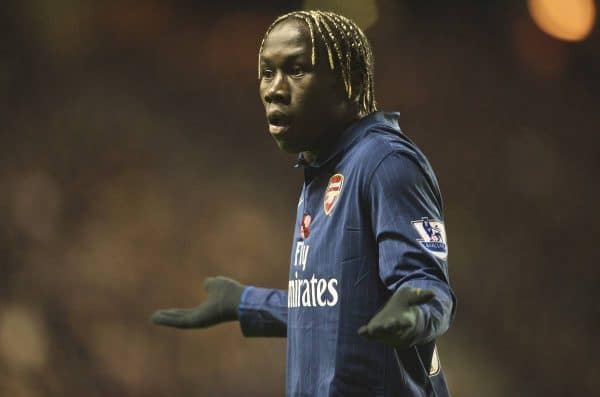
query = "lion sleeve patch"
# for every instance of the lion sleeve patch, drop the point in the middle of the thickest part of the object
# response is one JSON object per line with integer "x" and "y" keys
{"x": 432, "y": 235}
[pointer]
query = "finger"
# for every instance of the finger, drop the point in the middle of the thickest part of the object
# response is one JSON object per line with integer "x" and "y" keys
{"x": 419, "y": 296}
{"x": 389, "y": 324}
{"x": 175, "y": 312}
{"x": 165, "y": 317}
{"x": 363, "y": 331}
{"x": 376, "y": 331}
{"x": 405, "y": 337}
{"x": 175, "y": 322}
{"x": 171, "y": 317}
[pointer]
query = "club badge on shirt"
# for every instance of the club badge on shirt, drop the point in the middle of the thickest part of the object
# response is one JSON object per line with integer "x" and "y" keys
{"x": 433, "y": 237}
{"x": 332, "y": 193}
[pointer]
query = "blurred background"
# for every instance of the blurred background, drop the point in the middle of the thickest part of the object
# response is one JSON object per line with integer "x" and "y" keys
{"x": 135, "y": 161}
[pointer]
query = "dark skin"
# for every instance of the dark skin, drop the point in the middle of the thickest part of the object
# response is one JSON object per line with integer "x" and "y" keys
{"x": 307, "y": 109}
{"x": 306, "y": 106}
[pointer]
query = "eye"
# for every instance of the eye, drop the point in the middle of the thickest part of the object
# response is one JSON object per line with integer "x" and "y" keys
{"x": 297, "y": 71}
{"x": 267, "y": 73}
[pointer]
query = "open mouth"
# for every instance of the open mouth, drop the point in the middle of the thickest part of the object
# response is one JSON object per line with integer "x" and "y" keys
{"x": 278, "y": 122}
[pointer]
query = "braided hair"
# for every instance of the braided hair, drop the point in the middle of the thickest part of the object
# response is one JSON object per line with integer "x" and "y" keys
{"x": 348, "y": 50}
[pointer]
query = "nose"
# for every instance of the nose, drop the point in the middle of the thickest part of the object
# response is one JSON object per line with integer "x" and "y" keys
{"x": 278, "y": 90}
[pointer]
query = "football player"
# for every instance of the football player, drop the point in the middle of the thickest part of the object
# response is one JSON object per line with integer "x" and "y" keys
{"x": 368, "y": 291}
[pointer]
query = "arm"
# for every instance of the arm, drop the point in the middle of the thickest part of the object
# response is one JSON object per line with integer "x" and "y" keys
{"x": 406, "y": 216}
{"x": 260, "y": 311}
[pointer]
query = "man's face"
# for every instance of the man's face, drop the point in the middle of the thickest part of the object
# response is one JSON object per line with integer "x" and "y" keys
{"x": 303, "y": 103}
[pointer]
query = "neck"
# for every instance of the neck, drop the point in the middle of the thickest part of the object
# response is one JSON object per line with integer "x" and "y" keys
{"x": 322, "y": 149}
{"x": 324, "y": 145}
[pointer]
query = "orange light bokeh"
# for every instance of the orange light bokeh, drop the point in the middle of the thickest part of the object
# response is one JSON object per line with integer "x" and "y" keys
{"x": 569, "y": 20}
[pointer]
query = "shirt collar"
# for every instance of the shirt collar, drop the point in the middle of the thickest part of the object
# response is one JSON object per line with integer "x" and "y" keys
{"x": 353, "y": 133}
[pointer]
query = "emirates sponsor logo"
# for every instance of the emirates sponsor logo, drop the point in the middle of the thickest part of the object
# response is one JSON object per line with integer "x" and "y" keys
{"x": 309, "y": 291}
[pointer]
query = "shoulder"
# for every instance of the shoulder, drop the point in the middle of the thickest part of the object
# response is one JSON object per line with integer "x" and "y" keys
{"x": 389, "y": 160}
{"x": 383, "y": 147}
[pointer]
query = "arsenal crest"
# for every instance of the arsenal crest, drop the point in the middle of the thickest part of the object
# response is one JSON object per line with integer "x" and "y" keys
{"x": 332, "y": 193}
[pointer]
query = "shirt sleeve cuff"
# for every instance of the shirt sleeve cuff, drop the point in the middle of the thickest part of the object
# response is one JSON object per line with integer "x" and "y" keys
{"x": 261, "y": 313}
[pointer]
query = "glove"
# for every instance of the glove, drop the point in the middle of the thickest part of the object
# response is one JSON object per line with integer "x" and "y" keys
{"x": 397, "y": 323}
{"x": 224, "y": 296}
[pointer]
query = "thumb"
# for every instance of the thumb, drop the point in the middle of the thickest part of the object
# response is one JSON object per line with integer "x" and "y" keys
{"x": 209, "y": 283}
{"x": 219, "y": 282}
{"x": 418, "y": 296}
{"x": 363, "y": 330}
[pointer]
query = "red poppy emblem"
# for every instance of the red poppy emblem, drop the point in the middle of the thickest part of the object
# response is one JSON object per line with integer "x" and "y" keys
{"x": 332, "y": 193}
{"x": 305, "y": 226}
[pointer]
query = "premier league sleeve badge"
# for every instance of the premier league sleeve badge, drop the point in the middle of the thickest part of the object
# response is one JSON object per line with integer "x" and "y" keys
{"x": 432, "y": 235}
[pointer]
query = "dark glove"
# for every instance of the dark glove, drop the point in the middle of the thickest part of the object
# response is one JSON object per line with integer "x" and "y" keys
{"x": 222, "y": 305}
{"x": 397, "y": 323}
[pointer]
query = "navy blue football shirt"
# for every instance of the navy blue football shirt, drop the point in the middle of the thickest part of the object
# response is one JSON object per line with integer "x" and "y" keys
{"x": 369, "y": 222}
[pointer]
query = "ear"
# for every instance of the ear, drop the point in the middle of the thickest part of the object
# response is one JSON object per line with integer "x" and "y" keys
{"x": 357, "y": 86}
{"x": 357, "y": 92}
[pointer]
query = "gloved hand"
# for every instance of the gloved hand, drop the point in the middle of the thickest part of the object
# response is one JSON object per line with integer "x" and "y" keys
{"x": 396, "y": 324}
{"x": 222, "y": 305}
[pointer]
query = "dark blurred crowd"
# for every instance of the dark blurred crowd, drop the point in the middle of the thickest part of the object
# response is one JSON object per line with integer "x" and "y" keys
{"x": 135, "y": 161}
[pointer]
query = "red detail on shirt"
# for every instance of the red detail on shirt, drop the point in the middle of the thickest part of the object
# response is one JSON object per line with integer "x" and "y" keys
{"x": 305, "y": 226}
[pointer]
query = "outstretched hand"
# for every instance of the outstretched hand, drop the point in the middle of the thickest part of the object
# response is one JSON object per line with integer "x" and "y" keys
{"x": 221, "y": 305}
{"x": 396, "y": 323}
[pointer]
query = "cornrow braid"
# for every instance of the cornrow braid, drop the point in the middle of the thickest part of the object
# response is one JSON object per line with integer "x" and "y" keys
{"x": 347, "y": 48}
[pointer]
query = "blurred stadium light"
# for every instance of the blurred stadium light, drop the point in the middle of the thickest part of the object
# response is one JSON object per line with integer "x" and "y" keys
{"x": 570, "y": 20}
{"x": 23, "y": 341}
{"x": 363, "y": 12}
{"x": 541, "y": 55}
